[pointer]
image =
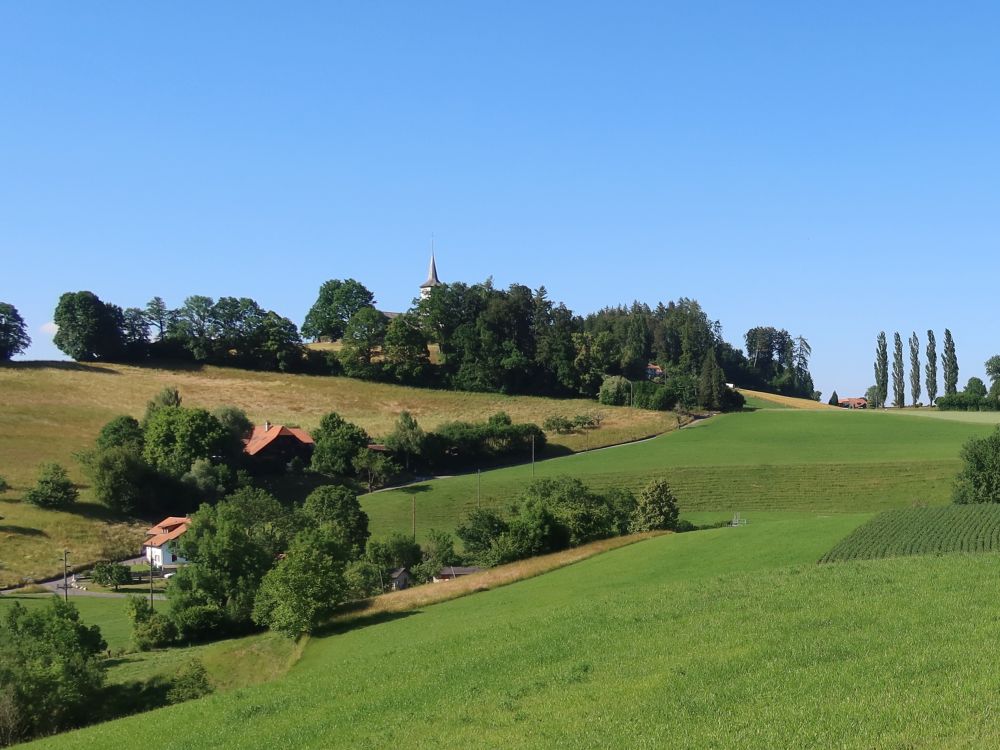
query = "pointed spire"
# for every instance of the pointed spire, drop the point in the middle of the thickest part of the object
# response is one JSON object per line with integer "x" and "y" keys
{"x": 432, "y": 272}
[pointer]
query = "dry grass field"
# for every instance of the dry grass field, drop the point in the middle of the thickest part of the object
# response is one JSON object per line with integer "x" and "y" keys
{"x": 786, "y": 402}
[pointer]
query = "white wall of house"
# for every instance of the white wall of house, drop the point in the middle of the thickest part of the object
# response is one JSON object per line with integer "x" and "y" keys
{"x": 165, "y": 555}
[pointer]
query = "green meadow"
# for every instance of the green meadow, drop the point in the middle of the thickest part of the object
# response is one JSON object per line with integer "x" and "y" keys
{"x": 823, "y": 460}
{"x": 726, "y": 638}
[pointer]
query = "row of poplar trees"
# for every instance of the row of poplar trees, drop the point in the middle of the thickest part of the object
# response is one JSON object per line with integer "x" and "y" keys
{"x": 879, "y": 393}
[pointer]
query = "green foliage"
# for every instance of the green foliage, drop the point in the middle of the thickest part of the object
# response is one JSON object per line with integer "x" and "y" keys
{"x": 467, "y": 444}
{"x": 120, "y": 432}
{"x": 979, "y": 479}
{"x": 362, "y": 579}
{"x": 305, "y": 587}
{"x": 949, "y": 364}
{"x": 404, "y": 351}
{"x": 922, "y": 531}
{"x": 209, "y": 481}
{"x": 14, "y": 337}
{"x": 362, "y": 339}
{"x": 338, "y": 508}
{"x": 176, "y": 437}
{"x": 407, "y": 438}
{"x": 656, "y": 509}
{"x": 477, "y": 532}
{"x": 89, "y": 329}
{"x": 235, "y": 420}
{"x": 50, "y": 671}
{"x": 395, "y": 551}
{"x": 914, "y": 368}
{"x": 438, "y": 552}
{"x": 615, "y": 391}
{"x": 53, "y": 488}
{"x": 4, "y": 484}
{"x": 338, "y": 442}
{"x": 558, "y": 424}
{"x": 337, "y": 303}
{"x": 111, "y": 574}
{"x": 711, "y": 384}
{"x": 121, "y": 478}
{"x": 898, "y": 387}
{"x": 190, "y": 682}
{"x": 975, "y": 388}
{"x": 881, "y": 370}
{"x": 375, "y": 468}
{"x": 930, "y": 369}
{"x": 834, "y": 399}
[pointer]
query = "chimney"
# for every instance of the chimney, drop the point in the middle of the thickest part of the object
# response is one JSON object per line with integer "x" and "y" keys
{"x": 267, "y": 425}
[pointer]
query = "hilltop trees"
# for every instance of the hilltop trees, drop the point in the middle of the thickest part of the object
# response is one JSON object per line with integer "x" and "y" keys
{"x": 949, "y": 365}
{"x": 898, "y": 386}
{"x": 14, "y": 337}
{"x": 881, "y": 370}
{"x": 89, "y": 329}
{"x": 993, "y": 373}
{"x": 914, "y": 368}
{"x": 930, "y": 369}
{"x": 338, "y": 301}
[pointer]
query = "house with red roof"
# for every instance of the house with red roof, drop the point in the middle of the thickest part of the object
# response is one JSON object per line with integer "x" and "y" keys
{"x": 160, "y": 545}
{"x": 272, "y": 446}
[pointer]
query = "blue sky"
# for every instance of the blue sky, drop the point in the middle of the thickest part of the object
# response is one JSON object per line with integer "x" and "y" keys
{"x": 830, "y": 170}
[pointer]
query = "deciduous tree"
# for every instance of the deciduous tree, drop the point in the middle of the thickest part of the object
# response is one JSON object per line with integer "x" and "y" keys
{"x": 930, "y": 369}
{"x": 898, "y": 378}
{"x": 656, "y": 508}
{"x": 338, "y": 507}
{"x": 914, "y": 368}
{"x": 53, "y": 488}
{"x": 979, "y": 479}
{"x": 89, "y": 329}
{"x": 949, "y": 365}
{"x": 337, "y": 303}
{"x": 881, "y": 370}
{"x": 337, "y": 443}
{"x": 14, "y": 338}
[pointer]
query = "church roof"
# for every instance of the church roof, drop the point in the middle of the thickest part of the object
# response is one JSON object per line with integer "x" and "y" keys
{"x": 432, "y": 276}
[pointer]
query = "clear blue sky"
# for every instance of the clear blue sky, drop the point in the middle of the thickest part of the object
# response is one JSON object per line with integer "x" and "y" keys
{"x": 831, "y": 170}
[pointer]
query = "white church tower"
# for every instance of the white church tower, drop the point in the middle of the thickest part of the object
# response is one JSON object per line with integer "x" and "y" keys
{"x": 432, "y": 279}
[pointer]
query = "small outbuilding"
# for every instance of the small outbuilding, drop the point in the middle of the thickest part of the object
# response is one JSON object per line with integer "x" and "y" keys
{"x": 452, "y": 572}
{"x": 400, "y": 579}
{"x": 160, "y": 545}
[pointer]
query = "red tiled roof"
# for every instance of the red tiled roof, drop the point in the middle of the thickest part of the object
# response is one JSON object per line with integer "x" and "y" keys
{"x": 263, "y": 435}
{"x": 166, "y": 530}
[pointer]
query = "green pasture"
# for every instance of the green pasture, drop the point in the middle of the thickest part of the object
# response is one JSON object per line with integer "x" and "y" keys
{"x": 922, "y": 531}
{"x": 728, "y": 638}
{"x": 830, "y": 460}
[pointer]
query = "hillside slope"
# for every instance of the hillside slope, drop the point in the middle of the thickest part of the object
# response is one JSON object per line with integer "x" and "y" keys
{"x": 730, "y": 638}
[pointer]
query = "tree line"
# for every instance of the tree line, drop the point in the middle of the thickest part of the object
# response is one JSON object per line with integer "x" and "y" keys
{"x": 513, "y": 340}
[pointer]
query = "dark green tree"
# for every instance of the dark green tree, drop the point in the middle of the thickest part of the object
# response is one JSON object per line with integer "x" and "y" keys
{"x": 337, "y": 443}
{"x": 235, "y": 420}
{"x": 979, "y": 479}
{"x": 89, "y": 329}
{"x": 306, "y": 586}
{"x": 338, "y": 508}
{"x": 930, "y": 369}
{"x": 949, "y": 365}
{"x": 834, "y": 399}
{"x": 407, "y": 438}
{"x": 51, "y": 677}
{"x": 111, "y": 574}
{"x": 120, "y": 432}
{"x": 881, "y": 371}
{"x": 656, "y": 508}
{"x": 375, "y": 467}
{"x": 711, "y": 383}
{"x": 176, "y": 437}
{"x": 898, "y": 378}
{"x": 975, "y": 389}
{"x": 993, "y": 373}
{"x": 337, "y": 303}
{"x": 438, "y": 552}
{"x": 121, "y": 478}
{"x": 362, "y": 339}
{"x": 404, "y": 350}
{"x": 14, "y": 338}
{"x": 914, "y": 368}
{"x": 53, "y": 488}
{"x": 159, "y": 317}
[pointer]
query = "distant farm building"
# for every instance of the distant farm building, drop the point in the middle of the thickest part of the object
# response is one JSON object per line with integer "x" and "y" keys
{"x": 653, "y": 371}
{"x": 452, "y": 572}
{"x": 400, "y": 579}
{"x": 273, "y": 445}
{"x": 853, "y": 403}
{"x": 160, "y": 545}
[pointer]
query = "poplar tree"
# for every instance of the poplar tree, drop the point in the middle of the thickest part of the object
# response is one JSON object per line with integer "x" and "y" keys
{"x": 898, "y": 379}
{"x": 930, "y": 370}
{"x": 881, "y": 370}
{"x": 949, "y": 364}
{"x": 914, "y": 368}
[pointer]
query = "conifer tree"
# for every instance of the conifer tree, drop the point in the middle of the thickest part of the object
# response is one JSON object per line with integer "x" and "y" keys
{"x": 834, "y": 399}
{"x": 898, "y": 378}
{"x": 914, "y": 368}
{"x": 930, "y": 369}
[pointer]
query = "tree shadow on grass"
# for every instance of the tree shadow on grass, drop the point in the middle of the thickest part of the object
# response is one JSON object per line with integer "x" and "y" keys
{"x": 363, "y": 621}
{"x": 22, "y": 530}
{"x": 96, "y": 512}
{"x": 43, "y": 364}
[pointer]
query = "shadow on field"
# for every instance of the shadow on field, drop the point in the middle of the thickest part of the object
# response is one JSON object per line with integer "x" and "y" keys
{"x": 22, "y": 530}
{"x": 94, "y": 511}
{"x": 341, "y": 627}
{"x": 56, "y": 365}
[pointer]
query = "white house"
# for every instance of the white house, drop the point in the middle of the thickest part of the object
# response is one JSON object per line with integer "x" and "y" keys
{"x": 159, "y": 547}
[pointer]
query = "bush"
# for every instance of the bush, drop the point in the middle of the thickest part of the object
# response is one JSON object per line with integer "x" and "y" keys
{"x": 190, "y": 682}
{"x": 120, "y": 477}
{"x": 3, "y": 485}
{"x": 653, "y": 396}
{"x": 53, "y": 489}
{"x": 457, "y": 445}
{"x": 120, "y": 432}
{"x": 979, "y": 479}
{"x": 559, "y": 424}
{"x": 111, "y": 574}
{"x": 615, "y": 391}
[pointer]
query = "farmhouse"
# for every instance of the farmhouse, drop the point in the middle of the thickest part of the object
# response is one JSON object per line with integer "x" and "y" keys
{"x": 274, "y": 445}
{"x": 452, "y": 572}
{"x": 159, "y": 547}
{"x": 853, "y": 403}
{"x": 653, "y": 371}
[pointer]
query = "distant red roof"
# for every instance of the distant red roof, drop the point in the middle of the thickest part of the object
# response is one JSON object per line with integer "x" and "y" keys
{"x": 854, "y": 402}
{"x": 166, "y": 530}
{"x": 263, "y": 435}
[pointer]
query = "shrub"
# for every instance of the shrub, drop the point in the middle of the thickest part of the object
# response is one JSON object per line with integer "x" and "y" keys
{"x": 111, "y": 574}
{"x": 119, "y": 432}
{"x": 656, "y": 508}
{"x": 53, "y": 489}
{"x": 190, "y": 682}
{"x": 559, "y": 424}
{"x": 120, "y": 477}
{"x": 979, "y": 479}
{"x": 3, "y": 485}
{"x": 614, "y": 391}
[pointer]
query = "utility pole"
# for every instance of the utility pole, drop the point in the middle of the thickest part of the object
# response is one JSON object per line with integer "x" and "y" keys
{"x": 413, "y": 500}
{"x": 479, "y": 488}
{"x": 150, "y": 581}
{"x": 532, "y": 456}
{"x": 66, "y": 574}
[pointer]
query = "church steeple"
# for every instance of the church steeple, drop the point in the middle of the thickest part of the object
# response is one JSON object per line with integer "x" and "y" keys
{"x": 432, "y": 279}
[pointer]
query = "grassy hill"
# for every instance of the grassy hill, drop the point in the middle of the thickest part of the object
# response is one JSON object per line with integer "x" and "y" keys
{"x": 52, "y": 410}
{"x": 730, "y": 638}
{"x": 922, "y": 531}
{"x": 830, "y": 460}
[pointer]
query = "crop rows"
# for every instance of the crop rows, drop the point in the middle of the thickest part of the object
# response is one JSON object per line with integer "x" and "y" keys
{"x": 922, "y": 531}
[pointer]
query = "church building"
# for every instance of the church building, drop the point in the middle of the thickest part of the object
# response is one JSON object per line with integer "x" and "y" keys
{"x": 432, "y": 280}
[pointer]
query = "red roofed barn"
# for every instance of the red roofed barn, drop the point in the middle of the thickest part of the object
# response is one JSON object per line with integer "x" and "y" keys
{"x": 159, "y": 547}
{"x": 274, "y": 445}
